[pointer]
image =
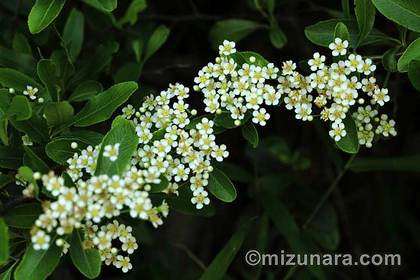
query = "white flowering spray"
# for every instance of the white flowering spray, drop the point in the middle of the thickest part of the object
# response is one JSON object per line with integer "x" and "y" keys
{"x": 177, "y": 149}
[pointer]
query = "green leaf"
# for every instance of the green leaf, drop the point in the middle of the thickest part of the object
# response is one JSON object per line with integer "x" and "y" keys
{"x": 20, "y": 108}
{"x": 4, "y": 242}
{"x": 341, "y": 31}
{"x": 286, "y": 225}
{"x": 47, "y": 73}
{"x": 87, "y": 261}
{"x": 156, "y": 40}
{"x": 73, "y": 33}
{"x": 221, "y": 186}
{"x": 57, "y": 113}
{"x": 10, "y": 157}
{"x": 20, "y": 44}
{"x": 38, "y": 264}
{"x": 60, "y": 150}
{"x": 403, "y": 12}
{"x": 244, "y": 57}
{"x": 155, "y": 188}
{"x": 231, "y": 29}
{"x": 250, "y": 133}
{"x": 17, "y": 60}
{"x": 411, "y": 53}
{"x": 414, "y": 73}
{"x": 85, "y": 91}
{"x": 34, "y": 158}
{"x": 123, "y": 133}
{"x": 100, "y": 107}
{"x": 224, "y": 120}
{"x": 277, "y": 37}
{"x": 135, "y": 7}
{"x": 36, "y": 128}
{"x": 103, "y": 5}
{"x": 365, "y": 15}
{"x": 11, "y": 78}
{"x": 27, "y": 174}
{"x": 350, "y": 142}
{"x": 43, "y": 14}
{"x": 389, "y": 59}
{"x": 7, "y": 275}
{"x": 220, "y": 264}
{"x": 5, "y": 180}
{"x": 23, "y": 216}
{"x": 128, "y": 72}
{"x": 403, "y": 163}
{"x": 322, "y": 33}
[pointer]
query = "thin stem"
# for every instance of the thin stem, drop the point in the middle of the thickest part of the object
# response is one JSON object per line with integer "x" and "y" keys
{"x": 191, "y": 255}
{"x": 329, "y": 191}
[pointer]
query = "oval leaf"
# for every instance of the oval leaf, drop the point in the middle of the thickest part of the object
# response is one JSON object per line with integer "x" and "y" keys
{"x": 43, "y": 13}
{"x": 88, "y": 262}
{"x": 350, "y": 142}
{"x": 403, "y": 12}
{"x": 221, "y": 186}
{"x": 411, "y": 53}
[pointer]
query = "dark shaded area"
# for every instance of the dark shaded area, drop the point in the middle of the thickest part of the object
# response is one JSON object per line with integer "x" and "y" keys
{"x": 373, "y": 212}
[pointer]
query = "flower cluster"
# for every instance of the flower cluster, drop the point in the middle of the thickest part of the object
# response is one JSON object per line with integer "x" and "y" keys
{"x": 31, "y": 92}
{"x": 173, "y": 146}
{"x": 238, "y": 89}
{"x": 336, "y": 88}
{"x": 177, "y": 149}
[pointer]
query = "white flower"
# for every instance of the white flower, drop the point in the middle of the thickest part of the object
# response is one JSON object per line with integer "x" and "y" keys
{"x": 317, "y": 62}
{"x": 111, "y": 151}
{"x": 40, "y": 240}
{"x": 260, "y": 117}
{"x": 337, "y": 131}
{"x": 227, "y": 48}
{"x": 200, "y": 198}
{"x": 339, "y": 47}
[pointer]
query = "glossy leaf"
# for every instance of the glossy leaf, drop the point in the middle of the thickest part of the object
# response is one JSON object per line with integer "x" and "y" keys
{"x": 23, "y": 216}
{"x": 350, "y": 142}
{"x": 250, "y": 133}
{"x": 365, "y": 15}
{"x": 125, "y": 134}
{"x": 73, "y": 33}
{"x": 57, "y": 113}
{"x": 87, "y": 261}
{"x": 103, "y": 5}
{"x": 411, "y": 53}
{"x": 85, "y": 91}
{"x": 131, "y": 14}
{"x": 221, "y": 186}
{"x": 414, "y": 73}
{"x": 20, "y": 108}
{"x": 220, "y": 264}
{"x": 341, "y": 31}
{"x": 403, "y": 12}
{"x": 43, "y": 14}
{"x": 156, "y": 40}
{"x": 47, "y": 73}
{"x": 277, "y": 37}
{"x": 38, "y": 264}
{"x": 100, "y": 107}
{"x": 231, "y": 29}
{"x": 4, "y": 242}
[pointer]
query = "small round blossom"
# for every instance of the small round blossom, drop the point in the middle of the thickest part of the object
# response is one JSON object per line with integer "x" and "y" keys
{"x": 339, "y": 47}
{"x": 111, "y": 151}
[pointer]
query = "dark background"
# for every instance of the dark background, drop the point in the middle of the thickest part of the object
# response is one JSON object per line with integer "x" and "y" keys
{"x": 372, "y": 212}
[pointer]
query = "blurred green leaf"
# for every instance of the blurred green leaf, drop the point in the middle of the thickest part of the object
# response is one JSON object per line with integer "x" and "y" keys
{"x": 389, "y": 59}
{"x": 11, "y": 78}
{"x": 47, "y": 73}
{"x": 414, "y": 73}
{"x": 20, "y": 108}
{"x": 106, "y": 6}
{"x": 365, "y": 15}
{"x": 231, "y": 29}
{"x": 350, "y": 142}
{"x": 411, "y": 53}
{"x": 161, "y": 186}
{"x": 403, "y": 163}
{"x": 36, "y": 128}
{"x": 87, "y": 261}
{"x": 23, "y": 216}
{"x": 341, "y": 31}
{"x": 250, "y": 133}
{"x": 85, "y": 91}
{"x": 125, "y": 134}
{"x": 156, "y": 40}
{"x": 57, "y": 113}
{"x": 403, "y": 12}
{"x": 38, "y": 264}
{"x": 43, "y": 14}
{"x": 17, "y": 60}
{"x": 135, "y": 7}
{"x": 277, "y": 37}
{"x": 322, "y": 33}
{"x": 221, "y": 186}
{"x": 20, "y": 44}
{"x": 220, "y": 264}
{"x": 34, "y": 157}
{"x": 244, "y": 57}
{"x": 73, "y": 33}
{"x": 100, "y": 107}
{"x": 4, "y": 242}
{"x": 60, "y": 150}
{"x": 7, "y": 275}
